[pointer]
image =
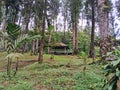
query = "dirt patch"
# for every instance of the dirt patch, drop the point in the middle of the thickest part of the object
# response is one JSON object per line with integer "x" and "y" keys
{"x": 40, "y": 87}
{"x": 25, "y": 63}
{"x": 4, "y": 83}
{"x": 21, "y": 64}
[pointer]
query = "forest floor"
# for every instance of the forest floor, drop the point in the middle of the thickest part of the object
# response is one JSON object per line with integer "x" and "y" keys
{"x": 64, "y": 72}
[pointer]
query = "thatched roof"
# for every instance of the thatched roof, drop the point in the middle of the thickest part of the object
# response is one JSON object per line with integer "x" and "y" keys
{"x": 60, "y": 44}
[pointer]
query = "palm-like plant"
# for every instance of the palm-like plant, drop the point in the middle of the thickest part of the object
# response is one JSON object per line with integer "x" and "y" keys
{"x": 10, "y": 57}
{"x": 3, "y": 40}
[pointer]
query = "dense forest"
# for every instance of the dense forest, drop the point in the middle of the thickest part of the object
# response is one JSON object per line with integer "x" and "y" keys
{"x": 59, "y": 45}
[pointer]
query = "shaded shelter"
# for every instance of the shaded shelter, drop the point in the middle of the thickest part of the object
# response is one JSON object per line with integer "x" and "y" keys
{"x": 60, "y": 48}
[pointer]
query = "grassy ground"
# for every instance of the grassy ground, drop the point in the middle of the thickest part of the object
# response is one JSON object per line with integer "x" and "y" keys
{"x": 62, "y": 73}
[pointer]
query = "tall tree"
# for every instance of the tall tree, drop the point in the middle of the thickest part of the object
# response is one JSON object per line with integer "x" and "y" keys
{"x": 9, "y": 10}
{"x": 4, "y": 16}
{"x": 103, "y": 16}
{"x": 92, "y": 49}
{"x": 12, "y": 9}
{"x": 75, "y": 7}
{"x": 53, "y": 10}
{"x": 40, "y": 59}
{"x": 26, "y": 11}
{"x": 65, "y": 13}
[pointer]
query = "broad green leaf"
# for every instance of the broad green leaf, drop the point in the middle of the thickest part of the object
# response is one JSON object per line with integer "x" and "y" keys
{"x": 115, "y": 63}
{"x": 14, "y": 55}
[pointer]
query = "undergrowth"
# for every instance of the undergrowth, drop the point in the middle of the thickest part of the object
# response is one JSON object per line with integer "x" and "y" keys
{"x": 54, "y": 76}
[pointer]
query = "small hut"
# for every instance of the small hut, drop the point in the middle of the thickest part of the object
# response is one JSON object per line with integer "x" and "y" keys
{"x": 60, "y": 48}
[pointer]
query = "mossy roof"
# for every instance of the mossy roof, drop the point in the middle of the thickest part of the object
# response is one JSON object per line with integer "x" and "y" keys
{"x": 60, "y": 45}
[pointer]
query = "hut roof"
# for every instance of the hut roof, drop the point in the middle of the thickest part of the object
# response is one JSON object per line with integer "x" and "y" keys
{"x": 60, "y": 44}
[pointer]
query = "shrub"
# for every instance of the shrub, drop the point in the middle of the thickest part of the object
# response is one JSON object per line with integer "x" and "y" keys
{"x": 112, "y": 71}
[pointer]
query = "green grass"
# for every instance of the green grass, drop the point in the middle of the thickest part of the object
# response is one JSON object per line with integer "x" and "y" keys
{"x": 54, "y": 75}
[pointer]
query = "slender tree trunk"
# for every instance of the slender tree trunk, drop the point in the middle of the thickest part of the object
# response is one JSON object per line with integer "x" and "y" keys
{"x": 27, "y": 23}
{"x": 56, "y": 25}
{"x": 36, "y": 46}
{"x": 82, "y": 18}
{"x": 19, "y": 20}
{"x": 25, "y": 47}
{"x": 75, "y": 36}
{"x": 14, "y": 16}
{"x": 49, "y": 37}
{"x": 64, "y": 26}
{"x": 40, "y": 59}
{"x": 33, "y": 47}
{"x": 49, "y": 40}
{"x": 103, "y": 26}
{"x": 3, "y": 24}
{"x": 92, "y": 49}
{"x": 112, "y": 22}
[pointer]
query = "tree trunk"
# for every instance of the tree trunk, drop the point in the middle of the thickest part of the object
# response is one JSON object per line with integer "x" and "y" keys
{"x": 64, "y": 26}
{"x": 36, "y": 46}
{"x": 27, "y": 23}
{"x": 56, "y": 29}
{"x": 75, "y": 36}
{"x": 82, "y": 23}
{"x": 40, "y": 59}
{"x": 25, "y": 47}
{"x": 3, "y": 24}
{"x": 14, "y": 16}
{"x": 49, "y": 37}
{"x": 33, "y": 47}
{"x": 103, "y": 26}
{"x": 49, "y": 41}
{"x": 27, "y": 20}
{"x": 92, "y": 49}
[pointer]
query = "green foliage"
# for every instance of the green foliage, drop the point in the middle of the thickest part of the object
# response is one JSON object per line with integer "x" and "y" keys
{"x": 88, "y": 12}
{"x": 10, "y": 57}
{"x": 1, "y": 87}
{"x": 20, "y": 85}
{"x": 51, "y": 27}
{"x": 11, "y": 45}
{"x": 83, "y": 54}
{"x": 75, "y": 7}
{"x": 29, "y": 39}
{"x": 13, "y": 31}
{"x": 112, "y": 70}
{"x": 59, "y": 83}
{"x": 14, "y": 56}
{"x": 56, "y": 37}
{"x": 88, "y": 81}
{"x": 20, "y": 40}
{"x": 3, "y": 40}
{"x": 84, "y": 42}
{"x": 53, "y": 75}
{"x": 38, "y": 9}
